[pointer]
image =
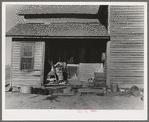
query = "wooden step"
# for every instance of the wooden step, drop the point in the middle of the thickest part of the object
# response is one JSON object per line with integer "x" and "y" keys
{"x": 88, "y": 90}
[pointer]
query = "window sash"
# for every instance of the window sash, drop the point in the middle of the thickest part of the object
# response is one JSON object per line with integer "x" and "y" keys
{"x": 27, "y": 50}
{"x": 27, "y": 65}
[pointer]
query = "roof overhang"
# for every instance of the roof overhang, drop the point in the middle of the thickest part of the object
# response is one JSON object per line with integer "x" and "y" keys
{"x": 55, "y": 37}
{"x": 61, "y": 30}
{"x": 56, "y": 15}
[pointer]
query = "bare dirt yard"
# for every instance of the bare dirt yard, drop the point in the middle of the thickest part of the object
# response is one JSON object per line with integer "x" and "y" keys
{"x": 17, "y": 100}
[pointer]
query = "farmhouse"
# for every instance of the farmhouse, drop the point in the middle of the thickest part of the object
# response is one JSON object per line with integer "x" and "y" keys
{"x": 117, "y": 31}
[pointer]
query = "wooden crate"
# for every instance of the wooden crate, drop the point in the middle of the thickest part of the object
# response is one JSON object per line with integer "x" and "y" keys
{"x": 86, "y": 70}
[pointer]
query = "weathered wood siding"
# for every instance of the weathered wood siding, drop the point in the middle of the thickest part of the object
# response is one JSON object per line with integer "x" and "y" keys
{"x": 20, "y": 77}
{"x": 126, "y": 26}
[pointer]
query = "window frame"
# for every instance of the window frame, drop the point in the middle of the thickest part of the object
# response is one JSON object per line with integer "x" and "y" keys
{"x": 30, "y": 57}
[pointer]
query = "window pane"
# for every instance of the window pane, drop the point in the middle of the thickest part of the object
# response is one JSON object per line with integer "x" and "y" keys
{"x": 24, "y": 60}
{"x": 24, "y": 66}
{"x": 29, "y": 60}
{"x": 27, "y": 51}
{"x": 25, "y": 48}
{"x": 29, "y": 48}
{"x": 29, "y": 66}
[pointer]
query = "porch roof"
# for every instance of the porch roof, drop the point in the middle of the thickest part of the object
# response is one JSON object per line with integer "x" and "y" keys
{"x": 58, "y": 29}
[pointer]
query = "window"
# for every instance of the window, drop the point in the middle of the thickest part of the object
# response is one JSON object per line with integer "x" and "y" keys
{"x": 27, "y": 56}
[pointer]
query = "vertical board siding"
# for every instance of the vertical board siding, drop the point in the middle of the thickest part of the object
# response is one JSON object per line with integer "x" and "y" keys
{"x": 21, "y": 77}
{"x": 126, "y": 26}
{"x": 38, "y": 56}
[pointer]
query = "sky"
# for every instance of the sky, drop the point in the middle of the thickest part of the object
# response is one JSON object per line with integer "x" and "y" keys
{"x": 10, "y": 22}
{"x": 12, "y": 18}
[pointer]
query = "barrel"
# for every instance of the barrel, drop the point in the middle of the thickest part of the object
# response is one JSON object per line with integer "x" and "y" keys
{"x": 26, "y": 89}
{"x": 114, "y": 87}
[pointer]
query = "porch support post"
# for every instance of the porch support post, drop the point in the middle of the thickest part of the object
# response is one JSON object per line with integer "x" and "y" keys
{"x": 42, "y": 63}
{"x": 108, "y": 65}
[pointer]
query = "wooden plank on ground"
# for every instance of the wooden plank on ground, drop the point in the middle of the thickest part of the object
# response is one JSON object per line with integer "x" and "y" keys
{"x": 56, "y": 87}
{"x": 63, "y": 94}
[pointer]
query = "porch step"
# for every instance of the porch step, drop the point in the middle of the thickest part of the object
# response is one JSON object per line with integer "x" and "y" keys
{"x": 89, "y": 90}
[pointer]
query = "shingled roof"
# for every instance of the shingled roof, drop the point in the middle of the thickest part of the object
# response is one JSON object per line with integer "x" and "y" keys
{"x": 58, "y": 29}
{"x": 48, "y": 9}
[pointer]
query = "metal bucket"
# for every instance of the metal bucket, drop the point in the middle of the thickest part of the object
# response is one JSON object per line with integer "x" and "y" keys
{"x": 114, "y": 88}
{"x": 26, "y": 89}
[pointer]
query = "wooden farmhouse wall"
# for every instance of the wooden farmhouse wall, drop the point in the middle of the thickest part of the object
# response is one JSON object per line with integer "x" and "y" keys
{"x": 20, "y": 77}
{"x": 126, "y": 48}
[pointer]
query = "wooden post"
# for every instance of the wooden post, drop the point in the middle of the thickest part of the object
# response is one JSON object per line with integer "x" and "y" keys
{"x": 42, "y": 66}
{"x": 108, "y": 65}
{"x": 11, "y": 64}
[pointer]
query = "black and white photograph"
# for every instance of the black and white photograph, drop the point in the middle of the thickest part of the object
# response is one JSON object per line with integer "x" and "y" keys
{"x": 74, "y": 60}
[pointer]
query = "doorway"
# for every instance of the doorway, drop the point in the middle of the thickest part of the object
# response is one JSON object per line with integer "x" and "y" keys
{"x": 73, "y": 51}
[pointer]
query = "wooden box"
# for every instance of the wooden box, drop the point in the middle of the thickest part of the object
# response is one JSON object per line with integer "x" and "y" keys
{"x": 86, "y": 70}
